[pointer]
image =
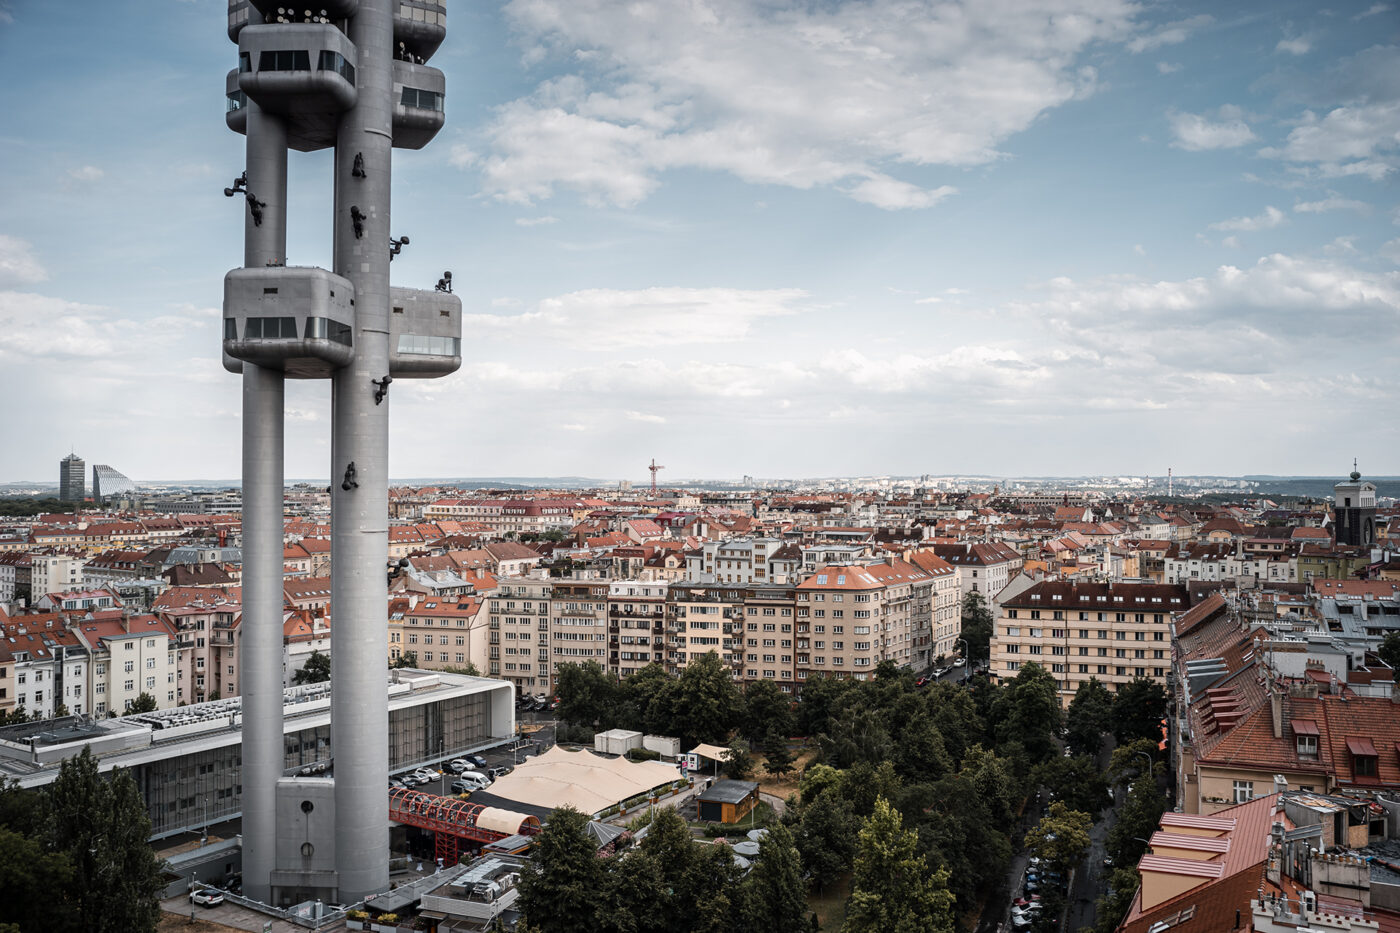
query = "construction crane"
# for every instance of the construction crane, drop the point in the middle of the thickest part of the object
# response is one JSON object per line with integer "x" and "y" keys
{"x": 655, "y": 468}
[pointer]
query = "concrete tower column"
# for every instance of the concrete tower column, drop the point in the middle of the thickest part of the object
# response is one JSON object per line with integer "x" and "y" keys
{"x": 360, "y": 435}
{"x": 263, "y": 484}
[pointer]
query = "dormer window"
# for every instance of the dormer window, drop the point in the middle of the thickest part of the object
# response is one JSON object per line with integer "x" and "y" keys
{"x": 1363, "y": 757}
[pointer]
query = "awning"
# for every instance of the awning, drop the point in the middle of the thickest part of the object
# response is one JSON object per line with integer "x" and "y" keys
{"x": 1304, "y": 727}
{"x": 1361, "y": 747}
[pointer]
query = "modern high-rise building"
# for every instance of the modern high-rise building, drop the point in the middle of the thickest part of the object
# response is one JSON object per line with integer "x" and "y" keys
{"x": 72, "y": 479}
{"x": 109, "y": 483}
{"x": 350, "y": 75}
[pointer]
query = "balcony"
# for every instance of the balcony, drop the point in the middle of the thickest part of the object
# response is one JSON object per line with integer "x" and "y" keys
{"x": 418, "y": 101}
{"x": 305, "y": 72}
{"x": 419, "y": 27}
{"x": 335, "y": 9}
{"x": 425, "y": 334}
{"x": 235, "y": 104}
{"x": 296, "y": 319}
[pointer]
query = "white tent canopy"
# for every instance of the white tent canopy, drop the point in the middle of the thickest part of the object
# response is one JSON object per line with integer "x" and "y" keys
{"x": 581, "y": 779}
{"x": 712, "y": 752}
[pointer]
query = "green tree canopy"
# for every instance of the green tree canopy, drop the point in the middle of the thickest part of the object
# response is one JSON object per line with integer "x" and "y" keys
{"x": 857, "y": 734}
{"x": 706, "y": 703}
{"x": 976, "y": 627}
{"x": 778, "y": 759}
{"x": 1028, "y": 712}
{"x": 1089, "y": 717}
{"x": 1061, "y": 837}
{"x": 1137, "y": 819}
{"x": 766, "y": 709}
{"x": 1077, "y": 781}
{"x": 144, "y": 703}
{"x": 738, "y": 764}
{"x": 826, "y": 838}
{"x": 561, "y": 886}
{"x": 588, "y": 695}
{"x": 1389, "y": 650}
{"x": 774, "y": 895}
{"x": 893, "y": 890}
{"x": 820, "y": 699}
{"x": 100, "y": 825}
{"x": 1138, "y": 708}
{"x": 407, "y": 659}
{"x": 316, "y": 670}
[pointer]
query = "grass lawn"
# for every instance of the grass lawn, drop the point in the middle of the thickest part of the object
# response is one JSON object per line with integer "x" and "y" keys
{"x": 830, "y": 905}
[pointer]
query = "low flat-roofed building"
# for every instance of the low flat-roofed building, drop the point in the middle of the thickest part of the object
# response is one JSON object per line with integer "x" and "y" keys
{"x": 727, "y": 801}
{"x": 187, "y": 761}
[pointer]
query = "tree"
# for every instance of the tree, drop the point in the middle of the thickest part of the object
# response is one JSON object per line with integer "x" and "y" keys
{"x": 1137, "y": 819}
{"x": 818, "y": 779}
{"x": 101, "y": 826}
{"x": 738, "y": 763}
{"x": 407, "y": 659}
{"x": 1138, "y": 709}
{"x": 1089, "y": 716}
{"x": 774, "y": 895}
{"x": 1062, "y": 837}
{"x": 826, "y": 839}
{"x": 1028, "y": 712}
{"x": 766, "y": 709}
{"x": 777, "y": 759}
{"x": 976, "y": 627}
{"x": 706, "y": 704}
{"x": 316, "y": 670}
{"x": 561, "y": 884}
{"x": 587, "y": 695}
{"x": 468, "y": 670}
{"x": 1077, "y": 781}
{"x": 821, "y": 697}
{"x": 144, "y": 703}
{"x": 1113, "y": 906}
{"x": 1133, "y": 760}
{"x": 857, "y": 734}
{"x": 893, "y": 890}
{"x": 1389, "y": 651}
{"x": 960, "y": 834}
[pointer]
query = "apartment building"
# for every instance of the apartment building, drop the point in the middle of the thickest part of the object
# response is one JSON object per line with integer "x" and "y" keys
{"x": 1114, "y": 632}
{"x": 518, "y": 516}
{"x": 208, "y": 635}
{"x": 701, "y": 619}
{"x": 446, "y": 631}
{"x": 518, "y": 616}
{"x": 636, "y": 625}
{"x": 983, "y": 566}
{"x": 1221, "y": 561}
{"x": 944, "y": 612}
{"x": 769, "y": 635}
{"x": 130, "y": 655}
{"x": 578, "y": 625}
{"x": 852, "y": 617}
{"x": 743, "y": 561}
{"x": 55, "y": 572}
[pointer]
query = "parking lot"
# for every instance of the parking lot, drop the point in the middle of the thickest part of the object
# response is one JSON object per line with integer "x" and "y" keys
{"x": 506, "y": 756}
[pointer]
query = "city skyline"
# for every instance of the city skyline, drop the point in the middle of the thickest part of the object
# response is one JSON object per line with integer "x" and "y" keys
{"x": 782, "y": 241}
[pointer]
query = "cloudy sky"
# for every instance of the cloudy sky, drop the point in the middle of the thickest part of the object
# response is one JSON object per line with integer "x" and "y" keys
{"x": 773, "y": 237}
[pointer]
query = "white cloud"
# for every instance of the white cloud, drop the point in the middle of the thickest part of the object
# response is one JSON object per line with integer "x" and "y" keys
{"x": 804, "y": 96}
{"x": 535, "y": 221}
{"x": 18, "y": 264}
{"x": 1168, "y": 68}
{"x": 1139, "y": 249}
{"x": 1352, "y": 140}
{"x": 1272, "y": 217}
{"x": 1374, "y": 10}
{"x": 1173, "y": 33}
{"x": 87, "y": 173}
{"x": 928, "y": 301}
{"x": 1196, "y": 132}
{"x": 1298, "y": 46}
{"x": 601, "y": 319}
{"x": 1231, "y": 242}
{"x": 1332, "y": 202}
{"x": 645, "y": 417}
{"x": 37, "y": 326}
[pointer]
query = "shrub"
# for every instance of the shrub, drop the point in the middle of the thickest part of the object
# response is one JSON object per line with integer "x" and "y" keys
{"x": 643, "y": 754}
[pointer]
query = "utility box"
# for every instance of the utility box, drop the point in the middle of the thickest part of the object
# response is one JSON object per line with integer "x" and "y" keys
{"x": 666, "y": 746}
{"x": 617, "y": 741}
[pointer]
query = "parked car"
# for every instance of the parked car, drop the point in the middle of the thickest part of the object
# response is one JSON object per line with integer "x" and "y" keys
{"x": 494, "y": 773}
{"x": 395, "y": 782}
{"x": 458, "y": 765}
{"x": 209, "y": 897}
{"x": 424, "y": 776}
{"x": 460, "y": 786}
{"x": 476, "y": 761}
{"x": 958, "y": 662}
{"x": 474, "y": 780}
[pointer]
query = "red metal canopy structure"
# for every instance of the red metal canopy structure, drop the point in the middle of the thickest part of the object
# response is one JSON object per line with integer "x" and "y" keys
{"x": 452, "y": 820}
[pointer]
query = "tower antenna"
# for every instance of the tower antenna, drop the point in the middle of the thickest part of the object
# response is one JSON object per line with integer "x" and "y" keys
{"x": 654, "y": 468}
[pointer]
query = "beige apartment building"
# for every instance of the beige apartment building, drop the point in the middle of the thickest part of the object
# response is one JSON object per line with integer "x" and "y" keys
{"x": 445, "y": 631}
{"x": 636, "y": 625}
{"x": 701, "y": 619}
{"x": 945, "y": 610}
{"x": 852, "y": 617}
{"x": 578, "y": 625}
{"x": 1112, "y": 631}
{"x": 518, "y": 616}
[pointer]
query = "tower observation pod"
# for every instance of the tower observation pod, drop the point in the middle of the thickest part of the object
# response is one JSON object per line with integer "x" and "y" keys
{"x": 352, "y": 76}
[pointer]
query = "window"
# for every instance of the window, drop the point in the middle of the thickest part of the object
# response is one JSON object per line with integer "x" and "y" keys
{"x": 334, "y": 61}
{"x": 1364, "y": 765}
{"x": 295, "y": 60}
{"x": 431, "y": 100}
{"x": 1307, "y": 745}
{"x": 1244, "y": 791}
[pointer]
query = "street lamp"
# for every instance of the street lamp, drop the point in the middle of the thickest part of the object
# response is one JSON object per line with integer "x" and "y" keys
{"x": 1149, "y": 760}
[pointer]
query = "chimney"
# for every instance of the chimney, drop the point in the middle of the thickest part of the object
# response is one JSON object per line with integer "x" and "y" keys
{"x": 1280, "y": 785}
{"x": 1276, "y": 708}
